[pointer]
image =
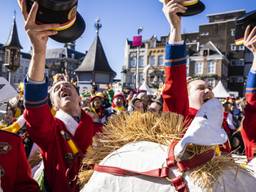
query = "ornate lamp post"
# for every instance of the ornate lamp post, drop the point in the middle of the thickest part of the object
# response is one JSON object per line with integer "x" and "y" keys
{"x": 137, "y": 42}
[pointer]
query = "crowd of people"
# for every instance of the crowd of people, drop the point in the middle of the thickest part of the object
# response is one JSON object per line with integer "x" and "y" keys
{"x": 57, "y": 124}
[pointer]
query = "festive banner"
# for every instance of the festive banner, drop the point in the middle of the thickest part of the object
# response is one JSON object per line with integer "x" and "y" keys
{"x": 137, "y": 41}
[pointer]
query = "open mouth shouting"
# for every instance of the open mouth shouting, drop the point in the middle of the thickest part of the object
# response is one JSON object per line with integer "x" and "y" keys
{"x": 64, "y": 94}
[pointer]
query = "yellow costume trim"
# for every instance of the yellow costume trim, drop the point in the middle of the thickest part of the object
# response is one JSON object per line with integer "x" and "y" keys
{"x": 13, "y": 128}
{"x": 239, "y": 41}
{"x": 65, "y": 25}
{"x": 17, "y": 112}
{"x": 70, "y": 142}
{"x": 190, "y": 2}
{"x": 72, "y": 146}
{"x": 120, "y": 108}
{"x": 217, "y": 151}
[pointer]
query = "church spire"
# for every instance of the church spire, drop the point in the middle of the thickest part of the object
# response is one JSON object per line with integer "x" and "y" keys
{"x": 13, "y": 39}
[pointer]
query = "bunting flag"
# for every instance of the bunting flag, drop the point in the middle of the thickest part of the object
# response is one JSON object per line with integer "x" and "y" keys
{"x": 137, "y": 41}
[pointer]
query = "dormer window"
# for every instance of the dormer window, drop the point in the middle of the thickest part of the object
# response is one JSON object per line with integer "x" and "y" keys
{"x": 205, "y": 52}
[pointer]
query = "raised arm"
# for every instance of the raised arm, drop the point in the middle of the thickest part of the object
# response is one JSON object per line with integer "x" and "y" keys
{"x": 38, "y": 35}
{"x": 250, "y": 43}
{"x": 175, "y": 94}
{"x": 248, "y": 130}
{"x": 37, "y": 114}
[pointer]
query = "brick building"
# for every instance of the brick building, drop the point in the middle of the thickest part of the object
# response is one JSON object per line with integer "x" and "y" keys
{"x": 212, "y": 52}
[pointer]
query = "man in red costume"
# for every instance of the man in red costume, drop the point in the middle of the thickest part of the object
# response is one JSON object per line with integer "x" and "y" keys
{"x": 15, "y": 173}
{"x": 248, "y": 130}
{"x": 178, "y": 96}
{"x": 63, "y": 139}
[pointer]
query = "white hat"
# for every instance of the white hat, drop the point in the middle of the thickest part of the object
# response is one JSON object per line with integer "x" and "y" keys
{"x": 206, "y": 128}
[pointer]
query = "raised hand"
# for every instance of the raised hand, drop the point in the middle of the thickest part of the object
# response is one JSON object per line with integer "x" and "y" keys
{"x": 250, "y": 39}
{"x": 38, "y": 34}
{"x": 170, "y": 10}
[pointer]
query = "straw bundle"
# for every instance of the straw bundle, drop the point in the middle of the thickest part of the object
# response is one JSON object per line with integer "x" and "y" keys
{"x": 125, "y": 128}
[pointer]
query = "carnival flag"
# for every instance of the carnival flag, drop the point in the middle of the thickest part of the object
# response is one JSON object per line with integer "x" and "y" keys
{"x": 137, "y": 41}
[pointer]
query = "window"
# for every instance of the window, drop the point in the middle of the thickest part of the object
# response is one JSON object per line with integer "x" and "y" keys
{"x": 211, "y": 82}
{"x": 141, "y": 78}
{"x": 20, "y": 69}
{"x": 187, "y": 66}
{"x": 7, "y": 56}
{"x": 134, "y": 79}
{"x": 236, "y": 79}
{"x": 132, "y": 62}
{"x": 232, "y": 32}
{"x": 129, "y": 79}
{"x": 160, "y": 60}
{"x": 61, "y": 55}
{"x": 4, "y": 69}
{"x": 153, "y": 44}
{"x": 204, "y": 34}
{"x": 199, "y": 68}
{"x": 241, "y": 48}
{"x": 211, "y": 67}
{"x": 141, "y": 61}
{"x": 237, "y": 62}
{"x": 152, "y": 60}
{"x": 233, "y": 47}
{"x": 205, "y": 52}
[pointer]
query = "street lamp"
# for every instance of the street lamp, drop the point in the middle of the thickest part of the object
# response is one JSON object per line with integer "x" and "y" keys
{"x": 137, "y": 41}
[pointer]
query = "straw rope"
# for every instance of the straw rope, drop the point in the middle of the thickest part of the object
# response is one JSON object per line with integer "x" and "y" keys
{"x": 124, "y": 128}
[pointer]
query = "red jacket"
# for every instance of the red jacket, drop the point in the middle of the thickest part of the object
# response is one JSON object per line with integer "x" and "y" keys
{"x": 61, "y": 167}
{"x": 15, "y": 172}
{"x": 175, "y": 94}
{"x": 44, "y": 129}
{"x": 248, "y": 130}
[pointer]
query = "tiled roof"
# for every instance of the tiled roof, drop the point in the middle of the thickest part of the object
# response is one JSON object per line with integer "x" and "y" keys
{"x": 13, "y": 39}
{"x": 95, "y": 60}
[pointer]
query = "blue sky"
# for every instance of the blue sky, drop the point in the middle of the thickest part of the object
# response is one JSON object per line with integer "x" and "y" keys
{"x": 120, "y": 19}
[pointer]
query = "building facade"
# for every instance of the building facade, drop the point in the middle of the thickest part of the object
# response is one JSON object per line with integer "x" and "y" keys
{"x": 150, "y": 53}
{"x": 63, "y": 60}
{"x": 212, "y": 53}
{"x": 1, "y": 59}
{"x": 14, "y": 67}
{"x": 221, "y": 31}
{"x": 95, "y": 69}
{"x": 208, "y": 64}
{"x": 59, "y": 60}
{"x": 130, "y": 64}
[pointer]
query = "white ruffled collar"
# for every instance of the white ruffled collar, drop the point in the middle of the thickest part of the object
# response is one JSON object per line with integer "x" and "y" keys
{"x": 70, "y": 123}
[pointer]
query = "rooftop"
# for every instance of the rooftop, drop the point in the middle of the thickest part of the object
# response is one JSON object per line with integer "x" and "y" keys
{"x": 226, "y": 12}
{"x": 95, "y": 59}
